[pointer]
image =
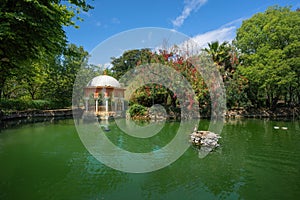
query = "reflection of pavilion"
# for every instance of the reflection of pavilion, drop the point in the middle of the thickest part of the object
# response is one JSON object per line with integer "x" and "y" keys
{"x": 104, "y": 96}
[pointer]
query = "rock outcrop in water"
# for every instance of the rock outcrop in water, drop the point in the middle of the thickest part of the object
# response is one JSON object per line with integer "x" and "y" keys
{"x": 205, "y": 140}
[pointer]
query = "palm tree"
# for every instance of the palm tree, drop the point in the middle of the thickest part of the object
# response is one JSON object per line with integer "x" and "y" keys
{"x": 219, "y": 52}
{"x": 222, "y": 54}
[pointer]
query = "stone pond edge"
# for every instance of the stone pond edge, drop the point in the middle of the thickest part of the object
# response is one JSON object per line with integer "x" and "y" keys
{"x": 68, "y": 112}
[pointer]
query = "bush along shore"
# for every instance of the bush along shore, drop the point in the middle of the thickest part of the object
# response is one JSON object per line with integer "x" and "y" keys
{"x": 68, "y": 112}
{"x": 283, "y": 112}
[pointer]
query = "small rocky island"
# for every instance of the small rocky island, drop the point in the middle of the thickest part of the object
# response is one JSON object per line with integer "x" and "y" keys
{"x": 206, "y": 141}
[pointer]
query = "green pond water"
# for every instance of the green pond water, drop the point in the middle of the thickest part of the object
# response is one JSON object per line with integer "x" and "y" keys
{"x": 48, "y": 161}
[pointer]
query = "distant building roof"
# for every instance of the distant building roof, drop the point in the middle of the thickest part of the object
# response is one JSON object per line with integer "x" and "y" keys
{"x": 104, "y": 81}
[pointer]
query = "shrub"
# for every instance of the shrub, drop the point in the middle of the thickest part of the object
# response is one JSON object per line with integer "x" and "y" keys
{"x": 22, "y": 104}
{"x": 137, "y": 110}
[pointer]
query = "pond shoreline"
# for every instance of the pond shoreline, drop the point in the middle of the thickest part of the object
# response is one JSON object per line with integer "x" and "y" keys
{"x": 284, "y": 112}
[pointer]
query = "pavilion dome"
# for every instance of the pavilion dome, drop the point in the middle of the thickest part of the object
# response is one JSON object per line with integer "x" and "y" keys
{"x": 104, "y": 81}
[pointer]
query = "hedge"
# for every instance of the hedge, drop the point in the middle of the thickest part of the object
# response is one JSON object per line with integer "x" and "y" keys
{"x": 18, "y": 104}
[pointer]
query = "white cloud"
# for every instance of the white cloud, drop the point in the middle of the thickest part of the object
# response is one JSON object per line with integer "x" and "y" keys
{"x": 222, "y": 34}
{"x": 195, "y": 44}
{"x": 226, "y": 32}
{"x": 189, "y": 6}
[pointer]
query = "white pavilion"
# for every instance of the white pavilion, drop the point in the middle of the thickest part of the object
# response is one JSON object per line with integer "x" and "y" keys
{"x": 107, "y": 95}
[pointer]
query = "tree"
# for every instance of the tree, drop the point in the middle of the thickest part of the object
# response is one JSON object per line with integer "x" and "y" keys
{"x": 34, "y": 79}
{"x": 270, "y": 46}
{"x": 129, "y": 60}
{"x": 225, "y": 56}
{"x": 31, "y": 28}
{"x": 52, "y": 78}
{"x": 61, "y": 75}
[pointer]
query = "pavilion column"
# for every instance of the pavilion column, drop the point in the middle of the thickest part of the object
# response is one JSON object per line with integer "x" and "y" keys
{"x": 96, "y": 97}
{"x": 96, "y": 101}
{"x": 86, "y": 100}
{"x": 106, "y": 104}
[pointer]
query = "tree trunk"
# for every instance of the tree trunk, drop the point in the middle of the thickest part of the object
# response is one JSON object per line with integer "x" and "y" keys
{"x": 2, "y": 83}
{"x": 268, "y": 100}
{"x": 274, "y": 102}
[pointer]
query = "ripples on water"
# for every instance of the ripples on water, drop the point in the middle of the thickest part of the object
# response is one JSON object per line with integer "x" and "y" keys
{"x": 255, "y": 161}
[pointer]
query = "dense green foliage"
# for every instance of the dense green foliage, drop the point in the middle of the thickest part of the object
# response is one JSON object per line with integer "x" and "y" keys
{"x": 129, "y": 60}
{"x": 269, "y": 43}
{"x": 35, "y": 61}
{"x": 18, "y": 104}
{"x": 52, "y": 81}
{"x": 62, "y": 73}
{"x": 137, "y": 110}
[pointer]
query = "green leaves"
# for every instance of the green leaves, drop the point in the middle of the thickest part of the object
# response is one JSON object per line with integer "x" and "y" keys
{"x": 137, "y": 110}
{"x": 129, "y": 60}
{"x": 269, "y": 43}
{"x": 219, "y": 52}
{"x": 31, "y": 28}
{"x": 61, "y": 75}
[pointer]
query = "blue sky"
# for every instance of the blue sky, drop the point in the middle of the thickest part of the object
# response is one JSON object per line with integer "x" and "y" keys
{"x": 203, "y": 20}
